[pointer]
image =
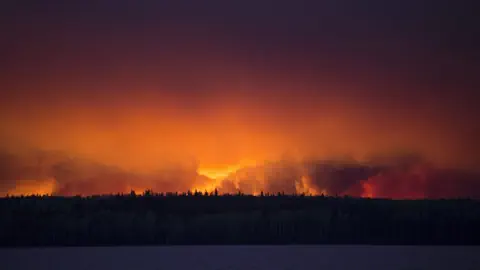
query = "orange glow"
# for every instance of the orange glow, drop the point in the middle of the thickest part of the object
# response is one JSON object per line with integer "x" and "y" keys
{"x": 209, "y": 187}
{"x": 367, "y": 190}
{"x": 137, "y": 190}
{"x": 217, "y": 135}
{"x": 220, "y": 173}
{"x": 217, "y": 174}
{"x": 32, "y": 187}
{"x": 303, "y": 187}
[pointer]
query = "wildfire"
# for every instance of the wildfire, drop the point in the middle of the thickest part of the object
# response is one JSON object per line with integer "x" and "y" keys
{"x": 304, "y": 187}
{"x": 367, "y": 190}
{"x": 218, "y": 173}
{"x": 30, "y": 187}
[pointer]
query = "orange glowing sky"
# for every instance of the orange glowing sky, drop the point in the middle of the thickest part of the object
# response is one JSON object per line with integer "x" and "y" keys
{"x": 147, "y": 95}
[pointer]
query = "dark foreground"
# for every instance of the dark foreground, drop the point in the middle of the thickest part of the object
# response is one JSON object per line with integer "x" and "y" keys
{"x": 244, "y": 257}
{"x": 226, "y": 220}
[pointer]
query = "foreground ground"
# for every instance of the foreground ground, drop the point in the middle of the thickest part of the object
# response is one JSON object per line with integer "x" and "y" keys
{"x": 244, "y": 257}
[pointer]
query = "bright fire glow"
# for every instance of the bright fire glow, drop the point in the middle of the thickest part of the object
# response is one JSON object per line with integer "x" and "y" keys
{"x": 29, "y": 187}
{"x": 367, "y": 190}
{"x": 219, "y": 172}
{"x": 303, "y": 187}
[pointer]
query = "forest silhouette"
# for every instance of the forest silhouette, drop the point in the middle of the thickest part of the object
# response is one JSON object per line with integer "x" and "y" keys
{"x": 210, "y": 218}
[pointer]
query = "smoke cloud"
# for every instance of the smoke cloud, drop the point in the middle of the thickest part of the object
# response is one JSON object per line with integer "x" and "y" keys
{"x": 400, "y": 177}
{"x": 58, "y": 174}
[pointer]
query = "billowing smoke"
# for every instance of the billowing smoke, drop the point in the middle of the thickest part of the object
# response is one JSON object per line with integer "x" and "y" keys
{"x": 423, "y": 181}
{"x": 311, "y": 177}
{"x": 397, "y": 176}
{"x": 31, "y": 172}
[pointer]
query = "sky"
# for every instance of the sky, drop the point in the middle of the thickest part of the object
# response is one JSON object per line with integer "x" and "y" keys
{"x": 107, "y": 96}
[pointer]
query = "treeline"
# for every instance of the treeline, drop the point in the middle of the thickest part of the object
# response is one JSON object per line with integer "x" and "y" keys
{"x": 208, "y": 218}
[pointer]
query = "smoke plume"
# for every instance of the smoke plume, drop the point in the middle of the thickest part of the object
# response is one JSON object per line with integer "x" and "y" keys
{"x": 401, "y": 177}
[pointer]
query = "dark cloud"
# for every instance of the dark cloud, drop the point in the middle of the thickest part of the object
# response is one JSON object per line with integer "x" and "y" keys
{"x": 340, "y": 179}
{"x": 423, "y": 181}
